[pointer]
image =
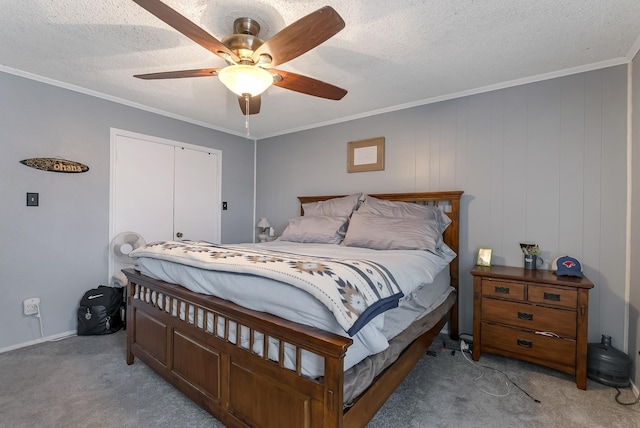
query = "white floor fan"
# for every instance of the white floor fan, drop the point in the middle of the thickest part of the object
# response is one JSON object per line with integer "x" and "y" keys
{"x": 121, "y": 245}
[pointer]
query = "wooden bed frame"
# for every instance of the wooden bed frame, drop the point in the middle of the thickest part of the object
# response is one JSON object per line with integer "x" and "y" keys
{"x": 242, "y": 388}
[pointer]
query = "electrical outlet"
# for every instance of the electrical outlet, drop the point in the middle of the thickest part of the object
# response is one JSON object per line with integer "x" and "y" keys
{"x": 32, "y": 306}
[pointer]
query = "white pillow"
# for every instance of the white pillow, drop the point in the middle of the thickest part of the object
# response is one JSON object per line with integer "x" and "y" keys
{"x": 315, "y": 229}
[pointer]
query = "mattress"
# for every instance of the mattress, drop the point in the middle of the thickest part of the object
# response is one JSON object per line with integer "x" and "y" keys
{"x": 421, "y": 275}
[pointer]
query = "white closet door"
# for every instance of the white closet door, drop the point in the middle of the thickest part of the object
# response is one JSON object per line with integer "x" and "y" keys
{"x": 143, "y": 194}
{"x": 197, "y": 195}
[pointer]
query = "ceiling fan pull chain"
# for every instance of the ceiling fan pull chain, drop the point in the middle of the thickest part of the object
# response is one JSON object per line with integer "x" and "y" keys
{"x": 246, "y": 117}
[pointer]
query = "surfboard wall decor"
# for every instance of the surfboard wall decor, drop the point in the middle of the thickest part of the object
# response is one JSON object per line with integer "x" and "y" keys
{"x": 55, "y": 165}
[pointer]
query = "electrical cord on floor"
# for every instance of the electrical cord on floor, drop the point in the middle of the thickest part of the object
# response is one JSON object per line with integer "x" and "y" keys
{"x": 40, "y": 321}
{"x": 464, "y": 347}
{"x": 42, "y": 331}
{"x": 625, "y": 404}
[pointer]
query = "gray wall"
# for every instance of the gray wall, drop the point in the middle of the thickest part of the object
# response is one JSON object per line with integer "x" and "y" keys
{"x": 634, "y": 295}
{"x": 59, "y": 250}
{"x": 543, "y": 162}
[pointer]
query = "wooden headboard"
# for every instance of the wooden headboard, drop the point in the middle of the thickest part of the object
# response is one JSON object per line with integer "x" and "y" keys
{"x": 450, "y": 203}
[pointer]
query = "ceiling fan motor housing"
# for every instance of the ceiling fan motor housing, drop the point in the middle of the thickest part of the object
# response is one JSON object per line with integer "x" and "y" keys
{"x": 246, "y": 26}
{"x": 245, "y": 39}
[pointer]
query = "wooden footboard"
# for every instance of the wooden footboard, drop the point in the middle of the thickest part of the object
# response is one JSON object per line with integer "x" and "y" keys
{"x": 194, "y": 342}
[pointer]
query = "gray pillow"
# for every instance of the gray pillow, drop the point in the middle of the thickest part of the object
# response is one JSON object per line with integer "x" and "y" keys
{"x": 392, "y": 233}
{"x": 336, "y": 207}
{"x": 394, "y": 209}
{"x": 315, "y": 229}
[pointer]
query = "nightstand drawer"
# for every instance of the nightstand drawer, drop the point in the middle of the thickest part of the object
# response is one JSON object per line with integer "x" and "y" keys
{"x": 558, "y": 351}
{"x": 553, "y": 296}
{"x": 503, "y": 289}
{"x": 532, "y": 317}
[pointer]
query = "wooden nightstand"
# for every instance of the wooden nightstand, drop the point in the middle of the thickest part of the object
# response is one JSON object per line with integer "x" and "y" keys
{"x": 532, "y": 315}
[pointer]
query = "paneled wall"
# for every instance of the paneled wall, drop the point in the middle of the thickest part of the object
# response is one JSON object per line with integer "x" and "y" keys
{"x": 543, "y": 162}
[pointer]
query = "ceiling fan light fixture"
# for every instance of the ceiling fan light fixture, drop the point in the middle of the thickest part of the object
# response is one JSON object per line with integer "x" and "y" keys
{"x": 244, "y": 79}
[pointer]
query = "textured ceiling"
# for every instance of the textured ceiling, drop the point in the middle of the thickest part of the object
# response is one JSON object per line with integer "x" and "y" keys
{"x": 391, "y": 53}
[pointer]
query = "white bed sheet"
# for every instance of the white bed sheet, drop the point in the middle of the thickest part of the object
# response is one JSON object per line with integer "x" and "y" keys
{"x": 415, "y": 272}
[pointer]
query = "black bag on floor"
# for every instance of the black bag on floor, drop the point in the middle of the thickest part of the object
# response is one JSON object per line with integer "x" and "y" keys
{"x": 100, "y": 311}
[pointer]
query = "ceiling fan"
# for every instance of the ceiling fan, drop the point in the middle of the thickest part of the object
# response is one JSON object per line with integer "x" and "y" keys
{"x": 250, "y": 60}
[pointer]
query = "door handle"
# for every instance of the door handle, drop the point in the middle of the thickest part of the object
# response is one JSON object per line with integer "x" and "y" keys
{"x": 525, "y": 316}
{"x": 525, "y": 343}
{"x": 179, "y": 234}
{"x": 552, "y": 296}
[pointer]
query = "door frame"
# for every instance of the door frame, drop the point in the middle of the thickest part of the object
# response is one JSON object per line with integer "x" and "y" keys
{"x": 114, "y": 134}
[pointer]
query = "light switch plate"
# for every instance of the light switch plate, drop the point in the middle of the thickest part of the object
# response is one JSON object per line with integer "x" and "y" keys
{"x": 32, "y": 199}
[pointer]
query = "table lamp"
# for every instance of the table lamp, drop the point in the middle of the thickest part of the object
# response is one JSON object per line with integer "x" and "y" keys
{"x": 263, "y": 225}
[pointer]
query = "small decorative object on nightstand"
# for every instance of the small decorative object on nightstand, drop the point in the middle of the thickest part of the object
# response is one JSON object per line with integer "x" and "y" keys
{"x": 531, "y": 256}
{"x": 532, "y": 315}
{"x": 484, "y": 257}
{"x": 263, "y": 225}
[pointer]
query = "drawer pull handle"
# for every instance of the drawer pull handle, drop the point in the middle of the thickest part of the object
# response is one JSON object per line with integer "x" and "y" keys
{"x": 525, "y": 343}
{"x": 525, "y": 316}
{"x": 502, "y": 290}
{"x": 552, "y": 296}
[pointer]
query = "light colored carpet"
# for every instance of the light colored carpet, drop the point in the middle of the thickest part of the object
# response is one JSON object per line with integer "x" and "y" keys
{"x": 84, "y": 381}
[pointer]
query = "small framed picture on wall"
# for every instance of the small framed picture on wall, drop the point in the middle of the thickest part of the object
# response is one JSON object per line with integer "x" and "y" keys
{"x": 365, "y": 155}
{"x": 484, "y": 257}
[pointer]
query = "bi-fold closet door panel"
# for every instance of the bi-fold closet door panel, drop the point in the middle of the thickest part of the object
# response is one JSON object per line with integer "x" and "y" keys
{"x": 143, "y": 197}
{"x": 164, "y": 190}
{"x": 196, "y": 195}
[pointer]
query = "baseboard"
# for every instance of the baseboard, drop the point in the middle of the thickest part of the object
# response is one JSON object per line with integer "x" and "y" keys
{"x": 55, "y": 337}
{"x": 635, "y": 390}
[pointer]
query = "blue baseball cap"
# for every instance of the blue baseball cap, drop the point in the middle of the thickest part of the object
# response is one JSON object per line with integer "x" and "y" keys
{"x": 568, "y": 266}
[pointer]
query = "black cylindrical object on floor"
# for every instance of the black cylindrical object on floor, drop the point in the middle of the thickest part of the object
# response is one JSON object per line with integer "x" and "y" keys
{"x": 608, "y": 365}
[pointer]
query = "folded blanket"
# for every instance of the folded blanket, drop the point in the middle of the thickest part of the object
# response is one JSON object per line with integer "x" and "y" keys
{"x": 355, "y": 291}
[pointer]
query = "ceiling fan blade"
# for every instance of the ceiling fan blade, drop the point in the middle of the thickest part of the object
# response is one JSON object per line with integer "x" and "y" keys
{"x": 254, "y": 104}
{"x": 308, "y": 85}
{"x": 202, "y": 72}
{"x": 301, "y": 36}
{"x": 186, "y": 27}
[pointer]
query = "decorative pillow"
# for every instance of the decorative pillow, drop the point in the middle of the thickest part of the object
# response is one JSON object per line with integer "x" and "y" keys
{"x": 336, "y": 207}
{"x": 392, "y": 233}
{"x": 315, "y": 229}
{"x": 394, "y": 209}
